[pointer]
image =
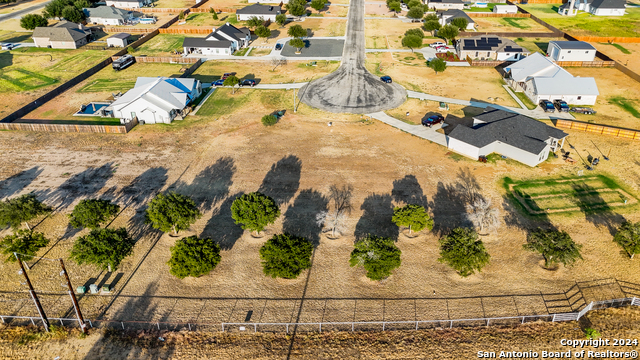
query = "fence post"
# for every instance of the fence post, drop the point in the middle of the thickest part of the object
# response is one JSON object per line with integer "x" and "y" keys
{"x": 121, "y": 323}
{"x": 61, "y": 323}
{"x": 383, "y": 323}
{"x": 90, "y": 324}
{"x": 222, "y": 327}
{"x": 320, "y": 324}
{"x": 287, "y": 328}
{"x": 522, "y": 320}
{"x": 158, "y": 324}
{"x": 416, "y": 325}
{"x": 255, "y": 327}
{"x": 34, "y": 324}
{"x": 451, "y": 324}
{"x": 352, "y": 324}
{"x": 189, "y": 325}
{"x": 488, "y": 322}
{"x": 2, "y": 319}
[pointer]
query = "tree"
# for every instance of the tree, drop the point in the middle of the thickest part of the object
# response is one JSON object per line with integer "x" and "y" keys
{"x": 70, "y": 13}
{"x": 482, "y": 215}
{"x": 395, "y": 6}
{"x": 7, "y": 1}
{"x": 415, "y": 32}
{"x": 54, "y": 8}
{"x": 215, "y": 13}
{"x": 462, "y": 250}
{"x": 32, "y": 21}
{"x": 431, "y": 25}
{"x": 296, "y": 31}
{"x": 254, "y": 211}
{"x": 92, "y": 213}
{"x": 281, "y": 19}
{"x": 192, "y": 256}
{"x": 416, "y": 12}
{"x": 412, "y": 41}
{"x": 81, "y": 4}
{"x": 628, "y": 236}
{"x": 554, "y": 246}
{"x": 297, "y": 8}
{"x": 448, "y": 32}
{"x": 460, "y": 23}
{"x": 20, "y": 210}
{"x": 172, "y": 211}
{"x": 278, "y": 62}
{"x": 431, "y": 17}
{"x": 297, "y": 43}
{"x": 437, "y": 64}
{"x": 336, "y": 218}
{"x": 105, "y": 248}
{"x": 254, "y": 22}
{"x": 318, "y": 4}
{"x": 269, "y": 120}
{"x": 285, "y": 256}
{"x": 378, "y": 255}
{"x": 263, "y": 32}
{"x": 414, "y": 3}
{"x": 413, "y": 216}
{"x": 24, "y": 242}
{"x": 231, "y": 81}
{"x": 181, "y": 15}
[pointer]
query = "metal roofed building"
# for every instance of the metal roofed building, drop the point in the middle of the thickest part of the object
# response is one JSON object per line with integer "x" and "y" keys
{"x": 571, "y": 51}
{"x": 118, "y": 40}
{"x": 487, "y": 47}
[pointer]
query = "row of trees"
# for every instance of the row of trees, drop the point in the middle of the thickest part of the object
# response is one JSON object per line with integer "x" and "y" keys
{"x": 70, "y": 10}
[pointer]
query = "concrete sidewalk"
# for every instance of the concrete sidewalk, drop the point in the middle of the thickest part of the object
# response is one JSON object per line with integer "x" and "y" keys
{"x": 417, "y": 130}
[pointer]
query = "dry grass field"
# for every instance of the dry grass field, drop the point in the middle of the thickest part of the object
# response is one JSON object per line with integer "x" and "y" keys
{"x": 293, "y": 71}
{"x": 624, "y": 53}
{"x": 389, "y": 30}
{"x": 508, "y": 24}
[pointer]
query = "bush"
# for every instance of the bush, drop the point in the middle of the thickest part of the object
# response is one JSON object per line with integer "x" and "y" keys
{"x": 462, "y": 250}
{"x": 437, "y": 64}
{"x": 24, "y": 242}
{"x": 105, "y": 248}
{"x": 413, "y": 216}
{"x": 172, "y": 212}
{"x": 194, "y": 257}
{"x": 286, "y": 256}
{"x": 14, "y": 212}
{"x": 554, "y": 246}
{"x": 269, "y": 120}
{"x": 92, "y": 213}
{"x": 378, "y": 255}
{"x": 254, "y": 211}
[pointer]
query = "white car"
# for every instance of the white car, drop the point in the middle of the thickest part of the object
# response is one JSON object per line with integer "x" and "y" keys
{"x": 7, "y": 46}
{"x": 436, "y": 44}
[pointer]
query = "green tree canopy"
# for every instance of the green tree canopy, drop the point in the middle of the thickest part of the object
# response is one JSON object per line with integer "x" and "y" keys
{"x": 254, "y": 211}
{"x": 281, "y": 19}
{"x": 215, "y": 14}
{"x": 297, "y": 43}
{"x": 412, "y": 42}
{"x": 448, "y": 32}
{"x": 192, "y": 256}
{"x": 318, "y": 4}
{"x": 105, "y": 248}
{"x": 172, "y": 211}
{"x": 413, "y": 216}
{"x": 628, "y": 236}
{"x": 296, "y": 31}
{"x": 32, "y": 21}
{"x": 7, "y": 1}
{"x": 269, "y": 120}
{"x": 462, "y": 250}
{"x": 414, "y": 3}
{"x": 286, "y": 256}
{"x": 296, "y": 7}
{"x": 92, "y": 213}
{"x": 254, "y": 22}
{"x": 431, "y": 17}
{"x": 417, "y": 12}
{"x": 263, "y": 32}
{"x": 24, "y": 242}
{"x": 554, "y": 246}
{"x": 437, "y": 64}
{"x": 394, "y": 6}
{"x": 460, "y": 23}
{"x": 22, "y": 209}
{"x": 81, "y": 4}
{"x": 379, "y": 256}
{"x": 231, "y": 81}
{"x": 431, "y": 25}
{"x": 415, "y": 32}
{"x": 71, "y": 13}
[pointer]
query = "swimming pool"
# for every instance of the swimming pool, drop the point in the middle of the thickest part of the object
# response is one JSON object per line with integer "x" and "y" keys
{"x": 91, "y": 109}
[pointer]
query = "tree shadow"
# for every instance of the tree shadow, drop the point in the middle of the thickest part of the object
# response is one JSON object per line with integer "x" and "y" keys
{"x": 140, "y": 190}
{"x": 221, "y": 227}
{"x": 596, "y": 210}
{"x": 84, "y": 184}
{"x": 376, "y": 217}
{"x": 467, "y": 185}
{"x": 16, "y": 183}
{"x": 212, "y": 184}
{"x": 450, "y": 202}
{"x": 300, "y": 218}
{"x": 408, "y": 191}
{"x": 6, "y": 59}
{"x": 283, "y": 180}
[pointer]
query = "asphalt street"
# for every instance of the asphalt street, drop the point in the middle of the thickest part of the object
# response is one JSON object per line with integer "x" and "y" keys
{"x": 19, "y": 13}
{"x": 352, "y": 88}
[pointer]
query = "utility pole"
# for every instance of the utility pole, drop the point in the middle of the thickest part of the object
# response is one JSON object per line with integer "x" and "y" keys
{"x": 34, "y": 296}
{"x": 83, "y": 326}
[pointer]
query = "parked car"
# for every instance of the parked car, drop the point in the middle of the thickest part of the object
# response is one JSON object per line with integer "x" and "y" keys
{"x": 247, "y": 82}
{"x": 8, "y": 46}
{"x": 442, "y": 49}
{"x": 219, "y": 82}
{"x": 547, "y": 106}
{"x": 278, "y": 46}
{"x": 226, "y": 75}
{"x": 561, "y": 105}
{"x": 386, "y": 79}
{"x": 432, "y": 120}
{"x": 583, "y": 110}
{"x": 437, "y": 44}
{"x": 123, "y": 62}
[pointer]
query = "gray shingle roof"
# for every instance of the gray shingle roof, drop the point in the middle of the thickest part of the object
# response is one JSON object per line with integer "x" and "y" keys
{"x": 107, "y": 12}
{"x": 216, "y": 40}
{"x": 62, "y": 31}
{"x": 204, "y": 43}
{"x": 456, "y": 13}
{"x": 120, "y": 36}
{"x": 573, "y": 45}
{"x": 608, "y": 4}
{"x": 258, "y": 9}
{"x": 513, "y": 129}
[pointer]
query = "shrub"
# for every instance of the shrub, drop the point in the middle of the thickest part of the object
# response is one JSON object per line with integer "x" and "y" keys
{"x": 413, "y": 216}
{"x": 172, "y": 212}
{"x": 378, "y": 255}
{"x": 192, "y": 256}
{"x": 105, "y": 248}
{"x": 462, "y": 250}
{"x": 554, "y": 246}
{"x": 24, "y": 242}
{"x": 32, "y": 21}
{"x": 628, "y": 237}
{"x": 14, "y": 212}
{"x": 269, "y": 120}
{"x": 92, "y": 213}
{"x": 254, "y": 211}
{"x": 286, "y": 256}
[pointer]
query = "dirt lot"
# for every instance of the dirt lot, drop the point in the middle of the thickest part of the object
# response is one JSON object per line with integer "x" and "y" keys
{"x": 332, "y": 10}
{"x": 391, "y": 30}
{"x": 631, "y": 60}
{"x": 294, "y": 71}
{"x": 379, "y": 8}
{"x": 174, "y": 4}
{"x": 509, "y": 24}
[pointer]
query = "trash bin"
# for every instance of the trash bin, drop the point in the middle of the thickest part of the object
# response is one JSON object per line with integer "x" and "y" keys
{"x": 81, "y": 290}
{"x": 93, "y": 288}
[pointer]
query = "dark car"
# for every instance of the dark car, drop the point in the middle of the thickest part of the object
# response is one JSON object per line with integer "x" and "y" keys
{"x": 547, "y": 106}
{"x": 432, "y": 120}
{"x": 226, "y": 75}
{"x": 278, "y": 46}
{"x": 248, "y": 82}
{"x": 561, "y": 105}
{"x": 218, "y": 82}
{"x": 123, "y": 62}
{"x": 583, "y": 110}
{"x": 386, "y": 79}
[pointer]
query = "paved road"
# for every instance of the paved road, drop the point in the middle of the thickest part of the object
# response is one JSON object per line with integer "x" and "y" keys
{"x": 19, "y": 13}
{"x": 351, "y": 88}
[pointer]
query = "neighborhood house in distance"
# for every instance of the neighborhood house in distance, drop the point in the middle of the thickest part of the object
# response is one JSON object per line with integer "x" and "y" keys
{"x": 108, "y": 15}
{"x": 595, "y": 7}
{"x": 446, "y": 17}
{"x": 486, "y": 47}
{"x": 63, "y": 35}
{"x": 129, "y": 3}
{"x": 224, "y": 40}
{"x": 262, "y": 12}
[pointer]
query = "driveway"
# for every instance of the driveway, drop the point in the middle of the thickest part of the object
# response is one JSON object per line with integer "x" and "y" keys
{"x": 351, "y": 88}
{"x": 315, "y": 48}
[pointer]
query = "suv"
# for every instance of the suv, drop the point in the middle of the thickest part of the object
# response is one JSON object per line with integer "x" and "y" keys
{"x": 247, "y": 82}
{"x": 432, "y": 120}
{"x": 386, "y": 79}
{"x": 561, "y": 105}
{"x": 278, "y": 46}
{"x": 437, "y": 44}
{"x": 547, "y": 106}
{"x": 218, "y": 82}
{"x": 226, "y": 75}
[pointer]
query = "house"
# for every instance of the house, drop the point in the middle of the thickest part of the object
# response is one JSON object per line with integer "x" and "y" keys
{"x": 126, "y": 4}
{"x": 542, "y": 79}
{"x": 505, "y": 9}
{"x": 108, "y": 15}
{"x": 63, "y": 35}
{"x": 595, "y": 7}
{"x": 515, "y": 136}
{"x": 224, "y": 40}
{"x": 488, "y": 47}
{"x": 571, "y": 51}
{"x": 118, "y": 40}
{"x": 445, "y": 17}
{"x": 264, "y": 12}
{"x": 268, "y": 2}
{"x": 445, "y": 4}
{"x": 156, "y": 100}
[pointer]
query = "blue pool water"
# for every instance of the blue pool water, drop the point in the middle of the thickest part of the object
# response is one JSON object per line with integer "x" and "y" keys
{"x": 92, "y": 108}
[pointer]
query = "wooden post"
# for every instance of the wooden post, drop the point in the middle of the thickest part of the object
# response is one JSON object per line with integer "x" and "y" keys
{"x": 76, "y": 306}
{"x": 34, "y": 296}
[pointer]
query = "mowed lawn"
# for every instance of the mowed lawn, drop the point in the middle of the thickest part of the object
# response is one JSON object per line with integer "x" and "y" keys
{"x": 162, "y": 45}
{"x": 585, "y": 24}
{"x": 109, "y": 80}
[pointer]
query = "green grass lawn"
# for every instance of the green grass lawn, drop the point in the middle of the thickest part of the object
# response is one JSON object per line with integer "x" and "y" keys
{"x": 161, "y": 45}
{"x": 81, "y": 120}
{"x": 619, "y": 47}
{"x": 527, "y": 102}
{"x": 223, "y": 102}
{"x": 23, "y": 80}
{"x": 489, "y": 8}
{"x": 16, "y": 37}
{"x": 519, "y": 23}
{"x": 108, "y": 80}
{"x": 625, "y": 104}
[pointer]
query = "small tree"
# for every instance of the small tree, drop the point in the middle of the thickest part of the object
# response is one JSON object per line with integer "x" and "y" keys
{"x": 296, "y": 31}
{"x": 263, "y": 32}
{"x": 415, "y": 32}
{"x": 172, "y": 211}
{"x": 554, "y": 246}
{"x": 192, "y": 256}
{"x": 334, "y": 220}
{"x": 395, "y": 6}
{"x": 105, "y": 248}
{"x": 460, "y": 23}
{"x": 432, "y": 25}
{"x": 318, "y": 4}
{"x": 482, "y": 215}
{"x": 416, "y": 12}
{"x": 378, "y": 255}
{"x": 281, "y": 19}
{"x": 628, "y": 236}
{"x": 215, "y": 14}
{"x": 20, "y": 210}
{"x": 297, "y": 43}
{"x": 81, "y": 4}
{"x": 24, "y": 242}
{"x": 181, "y": 15}
{"x": 437, "y": 64}
{"x": 285, "y": 256}
{"x": 269, "y": 120}
{"x": 448, "y": 32}
{"x": 32, "y": 21}
{"x": 431, "y": 17}
{"x": 278, "y": 62}
{"x": 231, "y": 81}
{"x": 254, "y": 22}
{"x": 92, "y": 213}
{"x": 462, "y": 250}
{"x": 414, "y": 3}
{"x": 70, "y": 13}
{"x": 413, "y": 216}
{"x": 254, "y": 211}
{"x": 296, "y": 8}
{"x": 412, "y": 42}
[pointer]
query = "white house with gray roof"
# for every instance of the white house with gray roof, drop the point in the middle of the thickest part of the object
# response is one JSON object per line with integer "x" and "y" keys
{"x": 445, "y": 4}
{"x": 515, "y": 136}
{"x": 542, "y": 79}
{"x": 594, "y": 7}
{"x": 224, "y": 40}
{"x": 571, "y": 51}
{"x": 108, "y": 15}
{"x": 446, "y": 17}
{"x": 63, "y": 35}
{"x": 263, "y": 12}
{"x": 490, "y": 47}
{"x": 156, "y": 100}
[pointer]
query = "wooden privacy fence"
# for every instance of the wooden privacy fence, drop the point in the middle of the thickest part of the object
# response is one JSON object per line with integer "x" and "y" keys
{"x": 543, "y": 1}
{"x": 586, "y": 63}
{"x": 598, "y": 129}
{"x": 488, "y": 14}
{"x": 163, "y": 59}
{"x": 181, "y": 30}
{"x": 609, "y": 39}
{"x": 511, "y": 34}
{"x": 130, "y": 30}
{"x": 110, "y": 129}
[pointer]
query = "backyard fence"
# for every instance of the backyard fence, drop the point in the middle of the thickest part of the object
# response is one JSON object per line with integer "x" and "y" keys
{"x": 130, "y": 30}
{"x": 511, "y": 34}
{"x": 608, "y": 39}
{"x": 543, "y": 1}
{"x": 108, "y": 129}
{"x": 191, "y": 69}
{"x": 598, "y": 129}
{"x": 586, "y": 63}
{"x": 490, "y": 63}
{"x": 185, "y": 30}
{"x": 163, "y": 59}
{"x": 490, "y": 14}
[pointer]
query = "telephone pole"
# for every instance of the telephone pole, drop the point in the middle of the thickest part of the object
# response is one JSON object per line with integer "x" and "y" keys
{"x": 83, "y": 326}
{"x": 34, "y": 296}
